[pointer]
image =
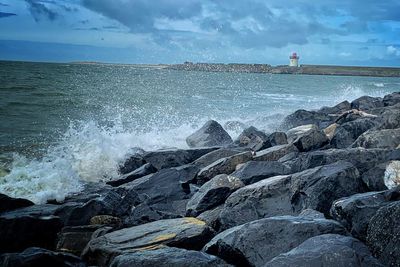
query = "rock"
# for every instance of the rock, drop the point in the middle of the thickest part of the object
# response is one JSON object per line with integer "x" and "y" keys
{"x": 348, "y": 132}
{"x": 8, "y": 203}
{"x": 37, "y": 257}
{"x": 254, "y": 171}
{"x": 276, "y": 139}
{"x": 212, "y": 194}
{"x": 390, "y": 118}
{"x": 374, "y": 178}
{"x": 252, "y": 138}
{"x": 392, "y": 174}
{"x": 74, "y": 239}
{"x": 383, "y": 234}
{"x": 144, "y": 170}
{"x": 338, "y": 109}
{"x": 105, "y": 220}
{"x": 211, "y": 217}
{"x": 354, "y": 212}
{"x": 311, "y": 140}
{"x": 275, "y": 152}
{"x": 330, "y": 130}
{"x": 294, "y": 133}
{"x": 257, "y": 242}
{"x": 354, "y": 114}
{"x": 19, "y": 231}
{"x": 317, "y": 188}
{"x": 189, "y": 233}
{"x": 367, "y": 103}
{"x": 303, "y": 117}
{"x": 222, "y": 166}
{"x": 312, "y": 214}
{"x": 328, "y": 250}
{"x": 387, "y": 138}
{"x": 132, "y": 163}
{"x": 210, "y": 134}
{"x": 268, "y": 197}
{"x": 167, "y": 257}
{"x": 215, "y": 155}
{"x": 391, "y": 99}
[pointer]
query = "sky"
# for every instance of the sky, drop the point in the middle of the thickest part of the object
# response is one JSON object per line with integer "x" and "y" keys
{"x": 334, "y": 32}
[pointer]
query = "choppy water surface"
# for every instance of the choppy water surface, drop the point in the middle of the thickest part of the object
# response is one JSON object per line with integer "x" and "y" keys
{"x": 61, "y": 124}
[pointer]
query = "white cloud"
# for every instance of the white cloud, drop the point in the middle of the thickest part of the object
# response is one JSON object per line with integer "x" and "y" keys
{"x": 344, "y": 54}
{"x": 391, "y": 50}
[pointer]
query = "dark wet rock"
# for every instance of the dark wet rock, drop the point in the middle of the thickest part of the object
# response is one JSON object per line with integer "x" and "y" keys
{"x": 374, "y": 178}
{"x": 383, "y": 234}
{"x": 74, "y": 239}
{"x": 143, "y": 213}
{"x": 168, "y": 257}
{"x": 337, "y": 109}
{"x": 212, "y": 194}
{"x": 257, "y": 242}
{"x": 19, "y": 231}
{"x": 132, "y": 163}
{"x": 367, "y": 103}
{"x": 363, "y": 159}
{"x": 391, "y": 99}
{"x": 317, "y": 188}
{"x": 390, "y": 118}
{"x": 38, "y": 257}
{"x": 355, "y": 212}
{"x": 124, "y": 206}
{"x": 223, "y": 166}
{"x": 189, "y": 233}
{"x": 269, "y": 197}
{"x": 276, "y": 139}
{"x": 348, "y": 132}
{"x": 387, "y": 138}
{"x": 254, "y": 171}
{"x": 303, "y": 117}
{"x": 211, "y": 217}
{"x": 275, "y": 152}
{"x": 8, "y": 203}
{"x": 210, "y": 134}
{"x": 311, "y": 140}
{"x": 312, "y": 214}
{"x": 328, "y": 250}
{"x": 252, "y": 138}
{"x": 215, "y": 155}
{"x": 144, "y": 170}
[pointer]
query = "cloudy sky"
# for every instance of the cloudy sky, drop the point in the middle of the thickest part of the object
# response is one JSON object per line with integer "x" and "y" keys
{"x": 350, "y": 32}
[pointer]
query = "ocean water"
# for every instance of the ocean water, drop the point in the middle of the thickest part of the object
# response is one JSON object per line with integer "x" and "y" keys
{"x": 62, "y": 125}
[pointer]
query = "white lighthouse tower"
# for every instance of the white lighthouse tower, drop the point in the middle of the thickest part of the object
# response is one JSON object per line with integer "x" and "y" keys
{"x": 294, "y": 60}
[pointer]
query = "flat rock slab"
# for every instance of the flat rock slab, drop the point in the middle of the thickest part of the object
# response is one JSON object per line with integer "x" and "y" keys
{"x": 257, "y": 242}
{"x": 275, "y": 152}
{"x": 8, "y": 203}
{"x": 328, "y": 250}
{"x": 215, "y": 155}
{"x": 255, "y": 171}
{"x": 187, "y": 233}
{"x": 168, "y": 257}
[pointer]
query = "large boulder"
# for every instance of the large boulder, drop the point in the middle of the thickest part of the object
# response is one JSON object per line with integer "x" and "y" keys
{"x": 215, "y": 155}
{"x": 355, "y": 212}
{"x": 328, "y": 250}
{"x": 275, "y": 152}
{"x": 276, "y": 139}
{"x": 257, "y": 242}
{"x": 252, "y": 138}
{"x": 294, "y": 133}
{"x": 223, "y": 166}
{"x": 391, "y": 99}
{"x": 8, "y": 203}
{"x": 367, "y": 103}
{"x": 38, "y": 257}
{"x": 387, "y": 138}
{"x": 254, "y": 171}
{"x": 337, "y": 109}
{"x": 212, "y": 194}
{"x": 374, "y": 178}
{"x": 210, "y": 134}
{"x": 346, "y": 133}
{"x": 392, "y": 174}
{"x": 144, "y": 170}
{"x": 168, "y": 257}
{"x": 302, "y": 117}
{"x": 211, "y": 217}
{"x": 390, "y": 118}
{"x": 383, "y": 234}
{"x": 189, "y": 233}
{"x": 311, "y": 140}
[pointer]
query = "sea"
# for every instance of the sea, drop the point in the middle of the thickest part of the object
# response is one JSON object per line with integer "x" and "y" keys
{"x": 65, "y": 125}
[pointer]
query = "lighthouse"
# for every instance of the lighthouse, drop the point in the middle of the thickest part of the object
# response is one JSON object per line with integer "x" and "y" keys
{"x": 294, "y": 60}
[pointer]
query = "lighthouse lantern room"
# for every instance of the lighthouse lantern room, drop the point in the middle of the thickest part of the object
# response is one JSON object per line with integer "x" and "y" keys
{"x": 294, "y": 60}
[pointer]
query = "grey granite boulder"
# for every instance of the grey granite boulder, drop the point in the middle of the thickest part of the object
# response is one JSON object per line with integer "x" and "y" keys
{"x": 346, "y": 133}
{"x": 386, "y": 138}
{"x": 367, "y": 103}
{"x": 328, "y": 250}
{"x": 254, "y": 171}
{"x": 337, "y": 109}
{"x": 275, "y": 152}
{"x": 210, "y": 134}
{"x": 391, "y": 99}
{"x": 215, "y": 155}
{"x": 252, "y": 138}
{"x": 302, "y": 117}
{"x": 311, "y": 140}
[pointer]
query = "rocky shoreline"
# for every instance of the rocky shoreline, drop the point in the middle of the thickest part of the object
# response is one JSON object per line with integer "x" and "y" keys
{"x": 323, "y": 191}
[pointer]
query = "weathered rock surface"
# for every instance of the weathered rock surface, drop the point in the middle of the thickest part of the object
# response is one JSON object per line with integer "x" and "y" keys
{"x": 210, "y": 134}
{"x": 74, "y": 239}
{"x": 189, "y": 233}
{"x": 337, "y": 109}
{"x": 374, "y": 178}
{"x": 144, "y": 170}
{"x": 387, "y": 138}
{"x": 254, "y": 171}
{"x": 8, "y": 203}
{"x": 328, "y": 250}
{"x": 303, "y": 117}
{"x": 391, "y": 99}
{"x": 294, "y": 133}
{"x": 222, "y": 166}
{"x": 348, "y": 132}
{"x": 392, "y": 174}
{"x": 354, "y": 212}
{"x": 252, "y": 138}
{"x": 168, "y": 257}
{"x": 37, "y": 257}
{"x": 257, "y": 242}
{"x": 331, "y": 130}
{"x": 132, "y": 163}
{"x": 383, "y": 234}
{"x": 275, "y": 152}
{"x": 367, "y": 103}
{"x": 311, "y": 140}
{"x": 211, "y": 217}
{"x": 212, "y": 194}
{"x": 215, "y": 155}
{"x": 276, "y": 139}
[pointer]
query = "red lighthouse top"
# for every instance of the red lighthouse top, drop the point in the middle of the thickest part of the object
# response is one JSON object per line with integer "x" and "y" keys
{"x": 294, "y": 56}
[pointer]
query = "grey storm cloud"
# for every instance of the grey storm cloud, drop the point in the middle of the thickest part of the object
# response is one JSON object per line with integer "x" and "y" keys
{"x": 40, "y": 10}
{"x": 5, "y": 14}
